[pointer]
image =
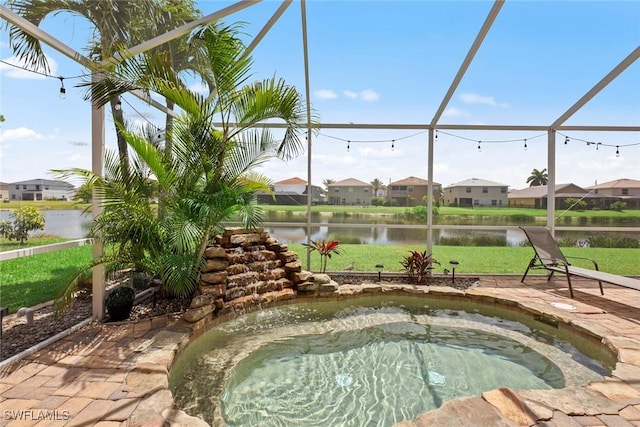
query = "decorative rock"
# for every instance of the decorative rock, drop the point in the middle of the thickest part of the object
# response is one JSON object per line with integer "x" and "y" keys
{"x": 263, "y": 265}
{"x": 330, "y": 287}
{"x": 237, "y": 269}
{"x": 273, "y": 274}
{"x": 284, "y": 283}
{"x": 265, "y": 286}
{"x": 215, "y": 252}
{"x": 293, "y": 267}
{"x": 510, "y": 406}
{"x": 194, "y": 314}
{"x": 268, "y": 255}
{"x": 202, "y": 300}
{"x": 288, "y": 256}
{"x": 301, "y": 276}
{"x": 277, "y": 247}
{"x": 242, "y": 279}
{"x": 321, "y": 278}
{"x": 350, "y": 290}
{"x": 214, "y": 278}
{"x": 237, "y": 292}
{"x": 213, "y": 290}
{"x": 215, "y": 265}
{"x": 236, "y": 258}
{"x": 371, "y": 288}
{"x": 573, "y": 401}
{"x": 244, "y": 239}
{"x": 466, "y": 411}
{"x": 307, "y": 287}
{"x": 180, "y": 418}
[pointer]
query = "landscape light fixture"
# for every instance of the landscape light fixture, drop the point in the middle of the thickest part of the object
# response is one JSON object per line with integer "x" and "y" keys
{"x": 63, "y": 91}
{"x": 525, "y": 144}
{"x": 454, "y": 264}
{"x": 617, "y": 151}
{"x": 348, "y": 145}
{"x": 393, "y": 144}
{"x": 118, "y": 105}
{"x": 379, "y": 268}
{"x": 566, "y": 140}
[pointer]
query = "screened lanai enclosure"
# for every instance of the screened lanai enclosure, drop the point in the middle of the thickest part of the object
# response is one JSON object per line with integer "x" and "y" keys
{"x": 448, "y": 51}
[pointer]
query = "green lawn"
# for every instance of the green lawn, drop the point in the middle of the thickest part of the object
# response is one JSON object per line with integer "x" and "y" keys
{"x": 10, "y": 245}
{"x": 481, "y": 260}
{"x": 32, "y": 280}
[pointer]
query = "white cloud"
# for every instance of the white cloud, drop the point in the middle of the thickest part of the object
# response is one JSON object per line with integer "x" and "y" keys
{"x": 19, "y": 73}
{"x": 454, "y": 112}
{"x": 201, "y": 88}
{"x": 21, "y": 134}
{"x": 474, "y": 98}
{"x": 369, "y": 95}
{"x": 325, "y": 94}
{"x": 350, "y": 94}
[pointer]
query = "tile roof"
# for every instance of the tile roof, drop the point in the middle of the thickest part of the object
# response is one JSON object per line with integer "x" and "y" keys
{"x": 412, "y": 180}
{"x": 476, "y": 182}
{"x": 350, "y": 181}
{"x": 618, "y": 183}
{"x": 538, "y": 191}
{"x": 292, "y": 181}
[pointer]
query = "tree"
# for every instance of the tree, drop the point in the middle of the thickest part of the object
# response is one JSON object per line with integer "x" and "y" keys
{"x": 83, "y": 193}
{"x": 116, "y": 24}
{"x": 25, "y": 219}
{"x": 538, "y": 178}
{"x": 377, "y": 185}
{"x": 208, "y": 178}
{"x": 327, "y": 182}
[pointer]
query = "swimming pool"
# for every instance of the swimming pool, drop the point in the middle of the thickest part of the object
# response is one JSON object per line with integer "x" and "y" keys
{"x": 373, "y": 361}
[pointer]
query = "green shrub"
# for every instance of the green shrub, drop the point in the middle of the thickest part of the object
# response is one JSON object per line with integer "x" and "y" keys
{"x": 612, "y": 241}
{"x": 618, "y": 206}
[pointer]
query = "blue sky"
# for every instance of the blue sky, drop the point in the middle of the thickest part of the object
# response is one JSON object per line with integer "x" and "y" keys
{"x": 389, "y": 62}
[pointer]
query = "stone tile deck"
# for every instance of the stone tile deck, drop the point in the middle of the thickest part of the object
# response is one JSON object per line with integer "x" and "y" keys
{"x": 117, "y": 375}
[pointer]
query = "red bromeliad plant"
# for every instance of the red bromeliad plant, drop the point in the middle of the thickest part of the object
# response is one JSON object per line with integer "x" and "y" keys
{"x": 325, "y": 248}
{"x": 418, "y": 265}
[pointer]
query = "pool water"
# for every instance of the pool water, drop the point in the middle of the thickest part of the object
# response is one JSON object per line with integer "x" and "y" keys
{"x": 358, "y": 363}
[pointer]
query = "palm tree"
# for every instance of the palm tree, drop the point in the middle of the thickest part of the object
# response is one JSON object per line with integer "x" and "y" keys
{"x": 116, "y": 24}
{"x": 377, "y": 185}
{"x": 538, "y": 178}
{"x": 209, "y": 175}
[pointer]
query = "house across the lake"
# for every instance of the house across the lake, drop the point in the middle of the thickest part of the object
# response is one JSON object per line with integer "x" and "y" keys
{"x": 476, "y": 192}
{"x": 41, "y": 189}
{"x": 350, "y": 191}
{"x": 292, "y": 191}
{"x": 625, "y": 190}
{"x": 411, "y": 191}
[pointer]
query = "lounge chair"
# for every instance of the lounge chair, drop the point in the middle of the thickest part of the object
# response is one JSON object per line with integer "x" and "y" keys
{"x": 549, "y": 256}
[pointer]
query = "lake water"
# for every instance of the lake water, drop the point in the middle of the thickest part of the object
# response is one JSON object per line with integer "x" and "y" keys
{"x": 70, "y": 224}
{"x": 352, "y": 228}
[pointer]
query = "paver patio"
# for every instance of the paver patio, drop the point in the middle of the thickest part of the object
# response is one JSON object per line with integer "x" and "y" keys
{"x": 117, "y": 375}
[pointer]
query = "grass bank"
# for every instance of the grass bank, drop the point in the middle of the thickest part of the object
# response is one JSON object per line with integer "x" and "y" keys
{"x": 480, "y": 260}
{"x": 32, "y": 280}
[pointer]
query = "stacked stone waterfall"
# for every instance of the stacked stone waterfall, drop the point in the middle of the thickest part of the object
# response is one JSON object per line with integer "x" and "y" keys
{"x": 251, "y": 267}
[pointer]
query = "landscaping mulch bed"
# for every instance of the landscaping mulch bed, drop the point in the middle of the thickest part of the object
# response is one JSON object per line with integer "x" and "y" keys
{"x": 461, "y": 283}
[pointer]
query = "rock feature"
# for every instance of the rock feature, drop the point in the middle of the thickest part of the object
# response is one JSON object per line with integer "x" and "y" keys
{"x": 250, "y": 267}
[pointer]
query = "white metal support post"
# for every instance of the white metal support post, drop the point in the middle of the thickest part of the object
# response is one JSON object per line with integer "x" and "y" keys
{"x": 97, "y": 151}
{"x": 551, "y": 182}
{"x": 430, "y": 193}
{"x": 305, "y": 48}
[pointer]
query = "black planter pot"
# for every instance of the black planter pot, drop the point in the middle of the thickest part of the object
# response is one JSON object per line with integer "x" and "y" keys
{"x": 119, "y": 312}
